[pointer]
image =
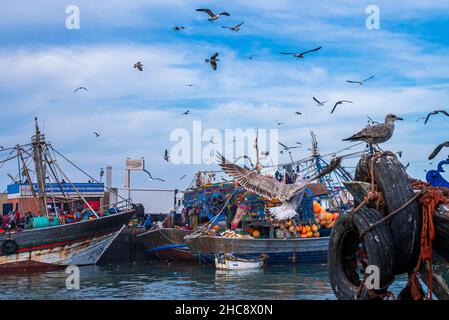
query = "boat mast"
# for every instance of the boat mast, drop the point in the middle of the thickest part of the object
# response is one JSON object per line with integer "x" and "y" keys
{"x": 38, "y": 141}
{"x": 316, "y": 156}
{"x": 256, "y": 146}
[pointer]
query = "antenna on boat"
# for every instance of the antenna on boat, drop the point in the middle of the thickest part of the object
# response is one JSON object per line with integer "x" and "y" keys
{"x": 256, "y": 146}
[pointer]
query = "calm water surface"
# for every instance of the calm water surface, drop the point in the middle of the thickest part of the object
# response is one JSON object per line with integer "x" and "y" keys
{"x": 173, "y": 281}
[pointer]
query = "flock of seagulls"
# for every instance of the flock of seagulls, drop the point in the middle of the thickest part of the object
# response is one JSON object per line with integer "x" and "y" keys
{"x": 373, "y": 134}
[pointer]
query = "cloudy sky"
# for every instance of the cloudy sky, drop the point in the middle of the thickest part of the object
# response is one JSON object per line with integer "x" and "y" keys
{"x": 42, "y": 62}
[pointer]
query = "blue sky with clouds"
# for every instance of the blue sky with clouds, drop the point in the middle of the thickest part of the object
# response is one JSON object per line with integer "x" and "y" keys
{"x": 42, "y": 62}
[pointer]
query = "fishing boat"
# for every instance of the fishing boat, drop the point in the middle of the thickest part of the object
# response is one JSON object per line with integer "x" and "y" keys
{"x": 230, "y": 262}
{"x": 54, "y": 233}
{"x": 241, "y": 220}
{"x": 166, "y": 244}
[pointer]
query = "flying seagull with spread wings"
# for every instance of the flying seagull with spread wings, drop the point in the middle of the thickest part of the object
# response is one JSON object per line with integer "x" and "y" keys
{"x": 178, "y": 28}
{"x": 151, "y": 177}
{"x": 360, "y": 82}
{"x": 234, "y": 28}
{"x": 318, "y": 102}
{"x": 212, "y": 15}
{"x": 251, "y": 56}
{"x": 300, "y": 55}
{"x": 186, "y": 112}
{"x": 138, "y": 65}
{"x": 434, "y": 113}
{"x": 213, "y": 61}
{"x": 340, "y": 102}
{"x": 80, "y": 88}
{"x": 438, "y": 149}
{"x": 97, "y": 134}
{"x": 289, "y": 194}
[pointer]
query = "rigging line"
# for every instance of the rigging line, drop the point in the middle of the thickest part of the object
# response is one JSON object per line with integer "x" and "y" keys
{"x": 341, "y": 150}
{"x": 88, "y": 175}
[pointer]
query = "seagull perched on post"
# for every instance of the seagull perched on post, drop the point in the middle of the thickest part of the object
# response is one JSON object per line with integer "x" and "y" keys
{"x": 80, "y": 88}
{"x": 234, "y": 28}
{"x": 289, "y": 194}
{"x": 436, "y": 112}
{"x": 339, "y": 102}
{"x": 300, "y": 55}
{"x": 438, "y": 149}
{"x": 318, "y": 102}
{"x": 360, "y": 82}
{"x": 138, "y": 65}
{"x": 213, "y": 61}
{"x": 212, "y": 15}
{"x": 377, "y": 133}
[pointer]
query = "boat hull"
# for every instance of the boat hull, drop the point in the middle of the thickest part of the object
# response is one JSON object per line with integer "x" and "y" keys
{"x": 166, "y": 244}
{"x": 80, "y": 243}
{"x": 297, "y": 250}
{"x": 226, "y": 264}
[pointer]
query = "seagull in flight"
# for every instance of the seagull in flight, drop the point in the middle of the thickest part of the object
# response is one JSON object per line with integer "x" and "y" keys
{"x": 251, "y": 56}
{"x": 80, "y": 88}
{"x": 298, "y": 113}
{"x": 151, "y": 177}
{"x": 166, "y": 156}
{"x": 189, "y": 84}
{"x": 178, "y": 28}
{"x": 213, "y": 61}
{"x": 318, "y": 102}
{"x": 182, "y": 177}
{"x": 278, "y": 123}
{"x": 288, "y": 148}
{"x": 360, "y": 82}
{"x": 340, "y": 102}
{"x": 186, "y": 112}
{"x": 234, "y": 28}
{"x": 97, "y": 134}
{"x": 300, "y": 55}
{"x": 138, "y": 65}
{"x": 212, "y": 15}
{"x": 438, "y": 149}
{"x": 435, "y": 112}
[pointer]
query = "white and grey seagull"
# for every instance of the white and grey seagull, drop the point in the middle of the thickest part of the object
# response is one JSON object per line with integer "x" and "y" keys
{"x": 318, "y": 102}
{"x": 80, "y": 88}
{"x": 376, "y": 133}
{"x": 300, "y": 55}
{"x": 434, "y": 113}
{"x": 212, "y": 15}
{"x": 234, "y": 28}
{"x": 289, "y": 194}
{"x": 340, "y": 102}
{"x": 213, "y": 61}
{"x": 438, "y": 149}
{"x": 138, "y": 65}
{"x": 361, "y": 82}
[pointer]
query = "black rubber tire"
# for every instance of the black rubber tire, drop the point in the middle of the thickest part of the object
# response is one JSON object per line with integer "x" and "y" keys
{"x": 344, "y": 238}
{"x": 394, "y": 183}
{"x": 9, "y": 247}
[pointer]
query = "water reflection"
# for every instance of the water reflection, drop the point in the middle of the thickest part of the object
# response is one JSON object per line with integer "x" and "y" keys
{"x": 174, "y": 281}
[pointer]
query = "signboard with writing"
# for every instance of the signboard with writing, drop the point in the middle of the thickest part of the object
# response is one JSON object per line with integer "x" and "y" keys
{"x": 15, "y": 190}
{"x": 135, "y": 164}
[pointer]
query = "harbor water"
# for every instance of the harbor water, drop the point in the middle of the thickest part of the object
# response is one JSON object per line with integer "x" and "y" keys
{"x": 175, "y": 281}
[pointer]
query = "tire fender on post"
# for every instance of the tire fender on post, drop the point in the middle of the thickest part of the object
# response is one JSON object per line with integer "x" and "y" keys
{"x": 345, "y": 242}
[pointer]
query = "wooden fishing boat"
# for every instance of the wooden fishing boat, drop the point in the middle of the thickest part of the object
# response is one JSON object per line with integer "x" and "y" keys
{"x": 77, "y": 243}
{"x": 229, "y": 262}
{"x": 48, "y": 235}
{"x": 166, "y": 244}
{"x": 294, "y": 250}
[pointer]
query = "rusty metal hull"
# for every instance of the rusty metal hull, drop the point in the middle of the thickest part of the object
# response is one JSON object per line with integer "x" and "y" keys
{"x": 79, "y": 243}
{"x": 166, "y": 244}
{"x": 301, "y": 250}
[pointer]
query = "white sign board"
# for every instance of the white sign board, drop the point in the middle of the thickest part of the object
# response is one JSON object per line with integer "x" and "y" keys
{"x": 135, "y": 164}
